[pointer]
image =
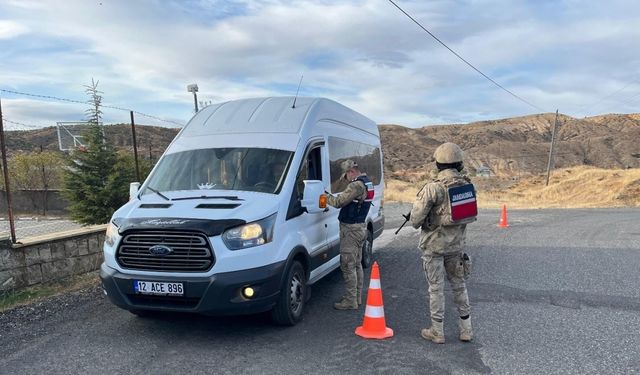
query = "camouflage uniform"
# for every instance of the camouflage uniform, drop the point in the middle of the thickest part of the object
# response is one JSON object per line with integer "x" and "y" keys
{"x": 441, "y": 247}
{"x": 352, "y": 237}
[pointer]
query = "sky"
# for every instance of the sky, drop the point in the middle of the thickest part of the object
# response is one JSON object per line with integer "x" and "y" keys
{"x": 580, "y": 57}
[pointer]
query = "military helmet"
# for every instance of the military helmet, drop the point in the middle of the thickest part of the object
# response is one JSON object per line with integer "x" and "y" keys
{"x": 346, "y": 166}
{"x": 448, "y": 153}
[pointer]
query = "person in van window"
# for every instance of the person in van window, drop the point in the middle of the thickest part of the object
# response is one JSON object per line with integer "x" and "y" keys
{"x": 442, "y": 239}
{"x": 276, "y": 169}
{"x": 354, "y": 204}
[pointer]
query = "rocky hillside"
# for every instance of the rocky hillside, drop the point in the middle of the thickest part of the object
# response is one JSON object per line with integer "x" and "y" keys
{"x": 517, "y": 146}
{"x": 507, "y": 147}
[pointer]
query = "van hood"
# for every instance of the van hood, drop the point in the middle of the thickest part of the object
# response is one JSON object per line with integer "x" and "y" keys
{"x": 209, "y": 211}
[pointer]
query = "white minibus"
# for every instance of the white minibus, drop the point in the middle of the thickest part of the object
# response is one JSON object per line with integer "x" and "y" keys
{"x": 228, "y": 221}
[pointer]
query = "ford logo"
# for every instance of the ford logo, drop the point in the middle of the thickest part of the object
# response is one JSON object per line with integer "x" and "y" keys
{"x": 160, "y": 250}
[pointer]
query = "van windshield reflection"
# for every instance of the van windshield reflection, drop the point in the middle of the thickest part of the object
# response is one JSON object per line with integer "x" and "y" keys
{"x": 245, "y": 169}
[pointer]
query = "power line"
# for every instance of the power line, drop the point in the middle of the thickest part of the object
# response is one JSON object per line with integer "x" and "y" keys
{"x": 50, "y": 97}
{"x": 626, "y": 101}
{"x": 21, "y": 124}
{"x": 42, "y": 96}
{"x": 465, "y": 61}
{"x": 609, "y": 95}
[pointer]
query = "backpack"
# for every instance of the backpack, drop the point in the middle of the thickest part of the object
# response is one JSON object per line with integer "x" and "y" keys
{"x": 459, "y": 205}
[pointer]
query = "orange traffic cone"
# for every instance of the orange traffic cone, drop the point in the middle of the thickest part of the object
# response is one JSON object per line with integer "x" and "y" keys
{"x": 503, "y": 218}
{"x": 374, "y": 326}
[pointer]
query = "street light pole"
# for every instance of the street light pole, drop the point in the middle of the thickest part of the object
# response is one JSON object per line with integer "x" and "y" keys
{"x": 194, "y": 89}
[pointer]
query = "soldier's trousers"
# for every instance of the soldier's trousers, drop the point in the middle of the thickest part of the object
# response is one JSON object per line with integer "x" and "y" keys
{"x": 352, "y": 237}
{"x": 436, "y": 266}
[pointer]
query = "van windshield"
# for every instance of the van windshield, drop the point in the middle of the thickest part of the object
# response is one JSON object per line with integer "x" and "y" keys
{"x": 248, "y": 169}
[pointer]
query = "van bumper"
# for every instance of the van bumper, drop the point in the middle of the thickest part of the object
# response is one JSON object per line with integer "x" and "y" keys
{"x": 219, "y": 294}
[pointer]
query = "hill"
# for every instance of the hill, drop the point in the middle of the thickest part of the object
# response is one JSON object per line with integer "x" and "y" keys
{"x": 576, "y": 187}
{"x": 151, "y": 140}
{"x": 517, "y": 146}
{"x": 508, "y": 147}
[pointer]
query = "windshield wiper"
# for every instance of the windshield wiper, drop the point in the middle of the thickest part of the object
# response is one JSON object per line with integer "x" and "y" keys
{"x": 159, "y": 193}
{"x": 227, "y": 197}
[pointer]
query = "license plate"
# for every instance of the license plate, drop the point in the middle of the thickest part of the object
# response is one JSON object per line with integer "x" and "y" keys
{"x": 158, "y": 288}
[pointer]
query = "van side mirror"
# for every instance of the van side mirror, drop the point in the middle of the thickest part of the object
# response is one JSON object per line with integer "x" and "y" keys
{"x": 311, "y": 199}
{"x": 133, "y": 189}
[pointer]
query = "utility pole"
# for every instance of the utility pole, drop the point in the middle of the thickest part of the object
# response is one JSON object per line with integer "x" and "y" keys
{"x": 135, "y": 146}
{"x": 5, "y": 170}
{"x": 552, "y": 149}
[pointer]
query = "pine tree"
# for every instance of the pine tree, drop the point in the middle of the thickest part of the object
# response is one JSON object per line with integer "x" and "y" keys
{"x": 95, "y": 180}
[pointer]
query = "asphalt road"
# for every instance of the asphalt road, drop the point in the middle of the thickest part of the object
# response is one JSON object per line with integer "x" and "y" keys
{"x": 556, "y": 292}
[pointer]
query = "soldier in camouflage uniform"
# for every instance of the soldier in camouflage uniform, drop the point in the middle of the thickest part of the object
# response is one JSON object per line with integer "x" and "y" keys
{"x": 442, "y": 245}
{"x": 353, "y": 211}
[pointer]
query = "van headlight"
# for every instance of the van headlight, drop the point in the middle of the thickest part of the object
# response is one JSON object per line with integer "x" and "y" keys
{"x": 111, "y": 236}
{"x": 252, "y": 234}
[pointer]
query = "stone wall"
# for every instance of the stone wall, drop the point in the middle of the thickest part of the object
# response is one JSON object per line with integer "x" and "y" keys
{"x": 50, "y": 258}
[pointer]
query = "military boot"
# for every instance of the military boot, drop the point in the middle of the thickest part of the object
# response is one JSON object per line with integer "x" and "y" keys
{"x": 466, "y": 332}
{"x": 434, "y": 333}
{"x": 345, "y": 305}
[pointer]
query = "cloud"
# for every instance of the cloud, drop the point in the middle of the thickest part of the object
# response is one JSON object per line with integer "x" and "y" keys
{"x": 39, "y": 113}
{"x": 364, "y": 53}
{"x": 11, "y": 29}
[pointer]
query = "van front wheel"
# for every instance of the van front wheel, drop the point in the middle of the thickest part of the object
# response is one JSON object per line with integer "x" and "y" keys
{"x": 367, "y": 250}
{"x": 288, "y": 309}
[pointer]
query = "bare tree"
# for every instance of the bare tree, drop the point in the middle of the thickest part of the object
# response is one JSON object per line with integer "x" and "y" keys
{"x": 37, "y": 171}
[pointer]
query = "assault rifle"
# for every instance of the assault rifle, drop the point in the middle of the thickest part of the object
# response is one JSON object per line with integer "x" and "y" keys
{"x": 406, "y": 217}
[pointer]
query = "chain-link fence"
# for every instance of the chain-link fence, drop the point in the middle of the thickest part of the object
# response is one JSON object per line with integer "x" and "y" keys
{"x": 37, "y": 157}
{"x": 35, "y": 178}
{"x": 35, "y": 226}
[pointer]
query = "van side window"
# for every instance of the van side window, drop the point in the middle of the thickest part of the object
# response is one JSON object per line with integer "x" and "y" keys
{"x": 367, "y": 156}
{"x": 314, "y": 165}
{"x": 310, "y": 169}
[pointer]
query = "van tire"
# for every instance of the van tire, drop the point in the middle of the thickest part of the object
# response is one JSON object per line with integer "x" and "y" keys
{"x": 290, "y": 306}
{"x": 367, "y": 250}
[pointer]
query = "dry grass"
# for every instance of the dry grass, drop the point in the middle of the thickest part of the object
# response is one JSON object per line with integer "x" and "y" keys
{"x": 578, "y": 187}
{"x": 15, "y": 298}
{"x": 401, "y": 191}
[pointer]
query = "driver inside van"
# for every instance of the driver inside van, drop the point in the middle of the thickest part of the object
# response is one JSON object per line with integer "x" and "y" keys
{"x": 276, "y": 169}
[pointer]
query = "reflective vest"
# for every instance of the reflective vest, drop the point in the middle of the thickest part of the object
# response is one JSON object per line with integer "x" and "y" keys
{"x": 357, "y": 210}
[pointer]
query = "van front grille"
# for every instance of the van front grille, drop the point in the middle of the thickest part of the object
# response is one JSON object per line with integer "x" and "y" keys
{"x": 188, "y": 251}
